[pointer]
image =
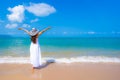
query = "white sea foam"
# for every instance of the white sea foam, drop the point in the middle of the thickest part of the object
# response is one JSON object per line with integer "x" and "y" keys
{"x": 89, "y": 59}
{"x": 14, "y": 60}
{"x": 82, "y": 59}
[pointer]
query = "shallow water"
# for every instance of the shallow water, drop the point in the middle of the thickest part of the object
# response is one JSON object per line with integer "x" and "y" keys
{"x": 63, "y": 47}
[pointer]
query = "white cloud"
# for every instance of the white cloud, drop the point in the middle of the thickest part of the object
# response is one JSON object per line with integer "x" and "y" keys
{"x": 40, "y": 9}
{"x": 17, "y": 13}
{"x": 91, "y": 32}
{"x": 26, "y": 25}
{"x": 10, "y": 26}
{"x": 34, "y": 20}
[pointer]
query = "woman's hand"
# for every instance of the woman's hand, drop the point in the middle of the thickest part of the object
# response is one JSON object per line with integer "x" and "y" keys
{"x": 20, "y": 28}
{"x": 43, "y": 30}
{"x": 48, "y": 27}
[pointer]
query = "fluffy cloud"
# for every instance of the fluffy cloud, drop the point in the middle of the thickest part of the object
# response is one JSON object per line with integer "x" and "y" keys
{"x": 17, "y": 13}
{"x": 34, "y": 20}
{"x": 10, "y": 26}
{"x": 40, "y": 9}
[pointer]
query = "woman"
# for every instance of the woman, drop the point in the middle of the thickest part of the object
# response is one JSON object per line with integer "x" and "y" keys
{"x": 35, "y": 53}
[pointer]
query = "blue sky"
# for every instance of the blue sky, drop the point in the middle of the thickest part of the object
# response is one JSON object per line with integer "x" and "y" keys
{"x": 79, "y": 18}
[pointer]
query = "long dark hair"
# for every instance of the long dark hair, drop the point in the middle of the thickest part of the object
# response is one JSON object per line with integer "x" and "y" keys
{"x": 33, "y": 38}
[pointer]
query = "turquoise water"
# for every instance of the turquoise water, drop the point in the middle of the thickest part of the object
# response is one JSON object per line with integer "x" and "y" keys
{"x": 62, "y": 47}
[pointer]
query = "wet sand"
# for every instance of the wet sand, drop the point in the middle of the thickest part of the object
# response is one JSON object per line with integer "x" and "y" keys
{"x": 61, "y": 71}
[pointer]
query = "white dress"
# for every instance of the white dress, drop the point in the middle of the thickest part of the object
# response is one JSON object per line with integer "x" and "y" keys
{"x": 35, "y": 54}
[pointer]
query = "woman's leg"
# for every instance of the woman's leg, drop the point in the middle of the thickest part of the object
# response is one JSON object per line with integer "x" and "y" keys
{"x": 33, "y": 69}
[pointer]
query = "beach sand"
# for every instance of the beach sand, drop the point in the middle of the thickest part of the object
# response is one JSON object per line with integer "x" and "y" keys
{"x": 61, "y": 71}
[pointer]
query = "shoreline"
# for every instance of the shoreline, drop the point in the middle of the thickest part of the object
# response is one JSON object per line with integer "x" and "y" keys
{"x": 61, "y": 71}
{"x": 81, "y": 59}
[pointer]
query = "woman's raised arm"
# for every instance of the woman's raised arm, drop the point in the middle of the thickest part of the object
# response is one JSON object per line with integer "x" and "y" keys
{"x": 24, "y": 30}
{"x": 44, "y": 30}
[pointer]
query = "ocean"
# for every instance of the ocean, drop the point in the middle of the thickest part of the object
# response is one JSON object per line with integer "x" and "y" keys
{"x": 62, "y": 50}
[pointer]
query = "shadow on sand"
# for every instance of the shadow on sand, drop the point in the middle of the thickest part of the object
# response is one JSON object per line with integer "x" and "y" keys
{"x": 48, "y": 62}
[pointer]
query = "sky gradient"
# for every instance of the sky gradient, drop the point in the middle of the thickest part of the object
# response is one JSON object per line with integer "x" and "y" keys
{"x": 67, "y": 18}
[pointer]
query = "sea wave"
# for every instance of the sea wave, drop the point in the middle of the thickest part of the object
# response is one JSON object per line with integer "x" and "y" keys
{"x": 82, "y": 59}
